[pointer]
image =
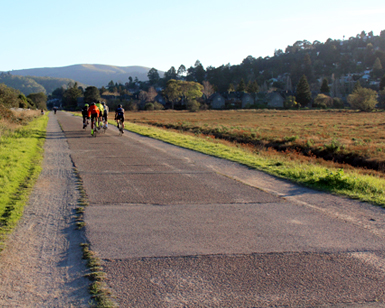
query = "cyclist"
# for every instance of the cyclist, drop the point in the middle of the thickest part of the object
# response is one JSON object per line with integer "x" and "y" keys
{"x": 105, "y": 114}
{"x": 119, "y": 115}
{"x": 101, "y": 111}
{"x": 93, "y": 113}
{"x": 85, "y": 115}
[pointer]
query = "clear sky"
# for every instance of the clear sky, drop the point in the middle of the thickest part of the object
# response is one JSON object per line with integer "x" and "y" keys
{"x": 165, "y": 33}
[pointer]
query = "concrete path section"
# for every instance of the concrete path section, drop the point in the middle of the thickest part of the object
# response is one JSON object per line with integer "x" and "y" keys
{"x": 177, "y": 228}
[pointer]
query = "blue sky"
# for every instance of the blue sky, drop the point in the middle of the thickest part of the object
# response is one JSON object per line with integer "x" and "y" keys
{"x": 167, "y": 33}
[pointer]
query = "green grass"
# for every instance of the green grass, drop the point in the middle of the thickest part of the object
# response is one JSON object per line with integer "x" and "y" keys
{"x": 344, "y": 182}
{"x": 21, "y": 154}
{"x": 349, "y": 183}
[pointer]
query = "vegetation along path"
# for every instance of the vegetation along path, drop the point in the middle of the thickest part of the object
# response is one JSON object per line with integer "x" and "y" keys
{"x": 176, "y": 228}
{"x": 41, "y": 265}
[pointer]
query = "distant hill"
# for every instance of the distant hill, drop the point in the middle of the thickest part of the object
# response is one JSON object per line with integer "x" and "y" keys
{"x": 32, "y": 84}
{"x": 90, "y": 74}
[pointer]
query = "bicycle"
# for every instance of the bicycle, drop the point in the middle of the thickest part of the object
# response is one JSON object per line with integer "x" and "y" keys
{"x": 120, "y": 127}
{"x": 94, "y": 124}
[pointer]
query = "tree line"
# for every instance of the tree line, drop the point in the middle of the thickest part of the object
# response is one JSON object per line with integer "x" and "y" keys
{"x": 306, "y": 72}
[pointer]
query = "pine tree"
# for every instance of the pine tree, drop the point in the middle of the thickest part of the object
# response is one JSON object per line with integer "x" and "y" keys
{"x": 325, "y": 89}
{"x": 241, "y": 86}
{"x": 252, "y": 87}
{"x": 382, "y": 83}
{"x": 303, "y": 93}
{"x": 357, "y": 85}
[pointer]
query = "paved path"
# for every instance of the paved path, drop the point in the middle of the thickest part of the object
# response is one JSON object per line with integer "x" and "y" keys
{"x": 176, "y": 228}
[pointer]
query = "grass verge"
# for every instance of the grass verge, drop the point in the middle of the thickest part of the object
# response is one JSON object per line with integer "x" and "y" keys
{"x": 21, "y": 155}
{"x": 101, "y": 295}
{"x": 344, "y": 182}
{"x": 349, "y": 183}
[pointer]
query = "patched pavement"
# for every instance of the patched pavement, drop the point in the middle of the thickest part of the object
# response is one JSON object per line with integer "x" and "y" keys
{"x": 175, "y": 229}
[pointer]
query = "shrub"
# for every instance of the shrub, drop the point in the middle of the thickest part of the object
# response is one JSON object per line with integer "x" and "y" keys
{"x": 322, "y": 101}
{"x": 158, "y": 106}
{"x": 149, "y": 106}
{"x": 193, "y": 106}
{"x": 338, "y": 103}
{"x": 290, "y": 102}
{"x": 363, "y": 99}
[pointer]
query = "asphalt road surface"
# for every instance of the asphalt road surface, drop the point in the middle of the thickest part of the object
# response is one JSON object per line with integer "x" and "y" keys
{"x": 176, "y": 228}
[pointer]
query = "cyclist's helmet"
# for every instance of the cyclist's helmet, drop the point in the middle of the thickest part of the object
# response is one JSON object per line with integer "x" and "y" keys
{"x": 103, "y": 103}
{"x": 92, "y": 103}
{"x": 86, "y": 105}
{"x": 119, "y": 106}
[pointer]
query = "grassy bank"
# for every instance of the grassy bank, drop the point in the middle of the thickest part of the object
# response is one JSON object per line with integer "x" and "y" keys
{"x": 21, "y": 150}
{"x": 308, "y": 171}
{"x": 349, "y": 138}
{"x": 336, "y": 180}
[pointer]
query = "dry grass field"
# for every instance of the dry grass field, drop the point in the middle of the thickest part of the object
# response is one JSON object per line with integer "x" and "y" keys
{"x": 344, "y": 138}
{"x": 10, "y": 120}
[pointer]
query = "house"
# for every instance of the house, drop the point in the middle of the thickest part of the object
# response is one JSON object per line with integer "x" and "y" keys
{"x": 217, "y": 101}
{"x": 247, "y": 100}
{"x": 275, "y": 100}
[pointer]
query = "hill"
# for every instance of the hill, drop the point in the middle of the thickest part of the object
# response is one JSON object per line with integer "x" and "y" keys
{"x": 32, "y": 84}
{"x": 89, "y": 74}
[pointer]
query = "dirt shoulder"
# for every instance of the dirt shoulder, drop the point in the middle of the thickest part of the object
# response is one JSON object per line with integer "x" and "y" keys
{"x": 42, "y": 264}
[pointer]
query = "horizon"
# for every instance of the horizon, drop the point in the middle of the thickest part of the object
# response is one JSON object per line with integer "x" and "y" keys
{"x": 161, "y": 35}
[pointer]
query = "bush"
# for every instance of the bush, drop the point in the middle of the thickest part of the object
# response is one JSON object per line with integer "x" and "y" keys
{"x": 338, "y": 103}
{"x": 323, "y": 101}
{"x": 193, "y": 106}
{"x": 363, "y": 99}
{"x": 149, "y": 106}
{"x": 158, "y": 106}
{"x": 290, "y": 103}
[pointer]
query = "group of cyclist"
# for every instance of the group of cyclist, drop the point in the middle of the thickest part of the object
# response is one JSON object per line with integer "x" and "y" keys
{"x": 98, "y": 113}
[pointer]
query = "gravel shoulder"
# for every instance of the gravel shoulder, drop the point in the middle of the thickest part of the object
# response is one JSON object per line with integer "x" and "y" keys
{"x": 42, "y": 264}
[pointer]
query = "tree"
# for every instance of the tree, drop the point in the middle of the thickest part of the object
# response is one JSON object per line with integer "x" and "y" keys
{"x": 196, "y": 73}
{"x": 58, "y": 93}
{"x": 111, "y": 86}
{"x": 153, "y": 76}
{"x": 91, "y": 94}
{"x": 170, "y": 74}
{"x": 303, "y": 93}
{"x": 241, "y": 86}
{"x": 188, "y": 91}
{"x": 208, "y": 90}
{"x": 357, "y": 85}
{"x": 252, "y": 87}
{"x": 231, "y": 88}
{"x": 323, "y": 101}
{"x": 173, "y": 92}
{"x": 377, "y": 68}
{"x": 71, "y": 95}
{"x": 181, "y": 71}
{"x": 142, "y": 96}
{"x": 39, "y": 100}
{"x": 325, "y": 89}
{"x": 382, "y": 83}
{"x": 307, "y": 67}
{"x": 151, "y": 94}
{"x": 10, "y": 97}
{"x": 363, "y": 99}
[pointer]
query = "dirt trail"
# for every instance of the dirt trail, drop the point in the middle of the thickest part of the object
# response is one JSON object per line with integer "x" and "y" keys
{"x": 41, "y": 265}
